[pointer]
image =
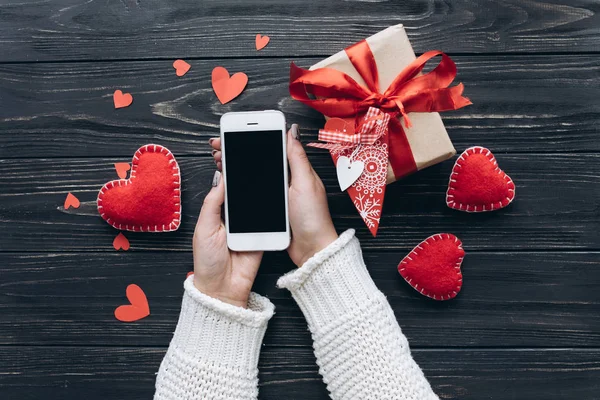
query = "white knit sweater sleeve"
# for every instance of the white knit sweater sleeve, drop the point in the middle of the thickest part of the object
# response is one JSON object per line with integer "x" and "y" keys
{"x": 214, "y": 352}
{"x": 361, "y": 351}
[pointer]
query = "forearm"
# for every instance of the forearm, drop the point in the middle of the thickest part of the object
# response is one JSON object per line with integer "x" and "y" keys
{"x": 360, "y": 348}
{"x": 214, "y": 351}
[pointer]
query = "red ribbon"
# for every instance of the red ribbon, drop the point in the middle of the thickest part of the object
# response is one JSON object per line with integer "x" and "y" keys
{"x": 338, "y": 95}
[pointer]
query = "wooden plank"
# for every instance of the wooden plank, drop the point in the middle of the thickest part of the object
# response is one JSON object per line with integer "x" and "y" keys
{"x": 509, "y": 299}
{"x": 555, "y": 206}
{"x": 34, "y": 30}
{"x": 118, "y": 373}
{"x": 521, "y": 103}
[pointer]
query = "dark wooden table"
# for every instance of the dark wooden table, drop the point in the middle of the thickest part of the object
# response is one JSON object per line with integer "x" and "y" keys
{"x": 527, "y": 323}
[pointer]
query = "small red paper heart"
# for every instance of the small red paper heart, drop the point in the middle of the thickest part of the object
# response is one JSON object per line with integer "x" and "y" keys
{"x": 121, "y": 242}
{"x": 433, "y": 267}
{"x": 181, "y": 67}
{"x": 477, "y": 184}
{"x": 228, "y": 88}
{"x": 261, "y": 41}
{"x": 150, "y": 200}
{"x": 122, "y": 99}
{"x": 339, "y": 125}
{"x": 122, "y": 169}
{"x": 139, "y": 307}
{"x": 71, "y": 201}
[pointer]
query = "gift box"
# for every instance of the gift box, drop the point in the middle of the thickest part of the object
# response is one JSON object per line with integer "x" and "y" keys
{"x": 376, "y": 76}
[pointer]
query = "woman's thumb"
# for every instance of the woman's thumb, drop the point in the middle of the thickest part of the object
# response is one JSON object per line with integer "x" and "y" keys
{"x": 210, "y": 214}
{"x": 298, "y": 160}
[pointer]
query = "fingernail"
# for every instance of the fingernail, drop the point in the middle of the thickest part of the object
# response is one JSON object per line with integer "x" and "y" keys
{"x": 295, "y": 131}
{"x": 216, "y": 179}
{"x": 213, "y": 152}
{"x": 211, "y": 140}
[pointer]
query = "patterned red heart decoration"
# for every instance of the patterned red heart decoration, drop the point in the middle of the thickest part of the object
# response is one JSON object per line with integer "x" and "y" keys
{"x": 150, "y": 200}
{"x": 433, "y": 267}
{"x": 477, "y": 184}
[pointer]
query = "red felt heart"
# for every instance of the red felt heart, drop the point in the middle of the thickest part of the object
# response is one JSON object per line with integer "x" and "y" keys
{"x": 477, "y": 184}
{"x": 150, "y": 200}
{"x": 339, "y": 125}
{"x": 139, "y": 307}
{"x": 433, "y": 267}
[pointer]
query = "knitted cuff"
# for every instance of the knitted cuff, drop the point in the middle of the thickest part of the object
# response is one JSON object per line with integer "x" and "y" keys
{"x": 215, "y": 332}
{"x": 332, "y": 283}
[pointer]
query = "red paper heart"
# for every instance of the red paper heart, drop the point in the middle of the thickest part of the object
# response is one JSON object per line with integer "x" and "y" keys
{"x": 181, "y": 67}
{"x": 71, "y": 201}
{"x": 139, "y": 305}
{"x": 122, "y": 169}
{"x": 261, "y": 41}
{"x": 228, "y": 87}
{"x": 339, "y": 125}
{"x": 150, "y": 200}
{"x": 122, "y": 99}
{"x": 121, "y": 242}
{"x": 433, "y": 267}
{"x": 477, "y": 184}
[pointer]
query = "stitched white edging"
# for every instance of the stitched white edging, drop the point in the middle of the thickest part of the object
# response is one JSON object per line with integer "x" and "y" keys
{"x": 174, "y": 224}
{"x": 485, "y": 207}
{"x": 422, "y": 246}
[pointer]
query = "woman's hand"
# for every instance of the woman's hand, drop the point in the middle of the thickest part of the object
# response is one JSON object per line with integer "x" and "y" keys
{"x": 219, "y": 272}
{"x": 312, "y": 228}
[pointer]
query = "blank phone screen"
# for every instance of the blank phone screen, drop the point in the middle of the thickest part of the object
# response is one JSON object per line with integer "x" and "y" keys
{"x": 254, "y": 178}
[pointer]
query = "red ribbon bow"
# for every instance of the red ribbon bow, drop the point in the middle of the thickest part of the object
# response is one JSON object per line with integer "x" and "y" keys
{"x": 338, "y": 95}
{"x": 374, "y": 126}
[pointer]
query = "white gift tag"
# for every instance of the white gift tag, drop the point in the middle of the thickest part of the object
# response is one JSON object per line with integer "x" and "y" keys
{"x": 348, "y": 171}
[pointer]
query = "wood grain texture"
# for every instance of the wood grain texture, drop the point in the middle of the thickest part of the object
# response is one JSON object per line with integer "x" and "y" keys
{"x": 521, "y": 104}
{"x": 124, "y": 373}
{"x": 526, "y": 325}
{"x": 556, "y": 206}
{"x": 34, "y": 30}
{"x": 508, "y": 300}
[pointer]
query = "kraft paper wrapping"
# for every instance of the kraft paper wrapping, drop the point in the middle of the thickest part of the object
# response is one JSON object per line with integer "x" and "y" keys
{"x": 391, "y": 48}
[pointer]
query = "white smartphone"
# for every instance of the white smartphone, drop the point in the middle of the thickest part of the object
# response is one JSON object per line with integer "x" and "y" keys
{"x": 254, "y": 161}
